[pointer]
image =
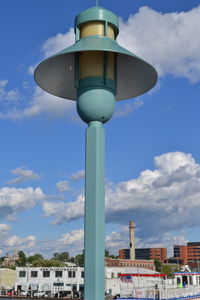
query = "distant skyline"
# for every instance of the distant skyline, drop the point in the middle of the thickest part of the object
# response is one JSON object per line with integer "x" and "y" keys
{"x": 152, "y": 141}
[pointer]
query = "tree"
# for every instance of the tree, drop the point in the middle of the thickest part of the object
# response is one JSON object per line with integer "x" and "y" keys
{"x": 47, "y": 263}
{"x": 79, "y": 259}
{"x": 22, "y": 258}
{"x": 64, "y": 256}
{"x": 158, "y": 265}
{"x": 34, "y": 257}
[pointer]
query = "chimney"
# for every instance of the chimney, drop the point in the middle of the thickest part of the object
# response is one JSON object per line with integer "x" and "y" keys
{"x": 132, "y": 239}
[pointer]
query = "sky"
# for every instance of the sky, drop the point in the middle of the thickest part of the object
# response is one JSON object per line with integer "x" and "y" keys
{"x": 152, "y": 141}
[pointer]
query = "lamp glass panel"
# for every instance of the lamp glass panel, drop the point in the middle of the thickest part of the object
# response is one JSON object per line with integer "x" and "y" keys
{"x": 111, "y": 32}
{"x": 92, "y": 28}
{"x": 91, "y": 64}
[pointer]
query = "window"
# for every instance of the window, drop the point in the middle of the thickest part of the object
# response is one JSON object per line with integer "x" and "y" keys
{"x": 46, "y": 273}
{"x": 74, "y": 274}
{"x": 58, "y": 273}
{"x": 58, "y": 284}
{"x": 82, "y": 274}
{"x": 34, "y": 273}
{"x": 22, "y": 273}
{"x": 70, "y": 274}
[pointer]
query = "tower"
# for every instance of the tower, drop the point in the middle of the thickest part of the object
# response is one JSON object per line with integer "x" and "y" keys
{"x": 132, "y": 239}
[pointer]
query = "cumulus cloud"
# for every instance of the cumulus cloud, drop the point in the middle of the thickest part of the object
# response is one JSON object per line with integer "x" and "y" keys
{"x": 64, "y": 211}
{"x": 58, "y": 43}
{"x": 73, "y": 241}
{"x": 13, "y": 200}
{"x": 42, "y": 104}
{"x": 23, "y": 175}
{"x": 4, "y": 228}
{"x": 78, "y": 175}
{"x": 21, "y": 243}
{"x": 168, "y": 40}
{"x": 63, "y": 186}
{"x": 125, "y": 110}
{"x": 161, "y": 200}
{"x": 5, "y": 94}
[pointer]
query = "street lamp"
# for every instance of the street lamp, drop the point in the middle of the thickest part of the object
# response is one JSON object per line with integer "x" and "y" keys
{"x": 95, "y": 71}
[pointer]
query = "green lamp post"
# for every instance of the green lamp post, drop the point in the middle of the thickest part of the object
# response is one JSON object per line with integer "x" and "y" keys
{"x": 95, "y": 71}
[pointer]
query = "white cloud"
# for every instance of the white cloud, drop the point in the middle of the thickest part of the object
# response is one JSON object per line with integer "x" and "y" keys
{"x": 125, "y": 110}
{"x": 9, "y": 95}
{"x": 4, "y": 228}
{"x": 20, "y": 243}
{"x": 23, "y": 175}
{"x": 78, "y": 175}
{"x": 170, "y": 41}
{"x": 43, "y": 104}
{"x": 73, "y": 241}
{"x": 13, "y": 200}
{"x": 167, "y": 198}
{"x": 58, "y": 43}
{"x": 64, "y": 211}
{"x": 63, "y": 186}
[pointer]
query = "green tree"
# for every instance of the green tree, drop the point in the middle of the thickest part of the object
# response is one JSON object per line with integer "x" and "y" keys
{"x": 22, "y": 258}
{"x": 158, "y": 265}
{"x": 34, "y": 257}
{"x": 64, "y": 256}
{"x": 79, "y": 259}
{"x": 47, "y": 263}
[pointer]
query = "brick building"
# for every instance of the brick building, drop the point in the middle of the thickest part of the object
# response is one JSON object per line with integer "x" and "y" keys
{"x": 188, "y": 255}
{"x": 145, "y": 254}
{"x": 146, "y": 264}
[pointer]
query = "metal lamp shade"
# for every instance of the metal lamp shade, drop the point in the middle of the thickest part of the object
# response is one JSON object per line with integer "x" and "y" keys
{"x": 56, "y": 74}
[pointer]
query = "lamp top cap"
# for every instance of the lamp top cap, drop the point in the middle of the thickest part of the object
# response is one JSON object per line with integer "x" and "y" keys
{"x": 97, "y": 13}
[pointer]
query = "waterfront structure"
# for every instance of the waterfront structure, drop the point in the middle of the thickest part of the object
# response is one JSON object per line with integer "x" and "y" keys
{"x": 10, "y": 260}
{"x": 71, "y": 279}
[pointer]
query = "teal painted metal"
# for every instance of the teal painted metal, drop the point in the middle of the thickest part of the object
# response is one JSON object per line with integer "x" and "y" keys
{"x": 59, "y": 75}
{"x": 95, "y": 104}
{"x": 97, "y": 14}
{"x": 94, "y": 213}
{"x": 56, "y": 74}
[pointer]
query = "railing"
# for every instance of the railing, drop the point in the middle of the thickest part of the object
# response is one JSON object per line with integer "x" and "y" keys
{"x": 162, "y": 294}
{"x": 179, "y": 292}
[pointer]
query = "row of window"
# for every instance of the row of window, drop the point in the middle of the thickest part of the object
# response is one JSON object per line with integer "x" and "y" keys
{"x": 34, "y": 274}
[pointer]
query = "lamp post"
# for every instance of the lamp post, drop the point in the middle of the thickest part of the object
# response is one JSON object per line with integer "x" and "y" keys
{"x": 95, "y": 71}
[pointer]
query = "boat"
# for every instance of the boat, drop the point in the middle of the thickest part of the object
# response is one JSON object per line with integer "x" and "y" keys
{"x": 184, "y": 285}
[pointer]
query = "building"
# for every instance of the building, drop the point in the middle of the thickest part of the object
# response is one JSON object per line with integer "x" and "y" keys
{"x": 188, "y": 255}
{"x": 146, "y": 264}
{"x": 71, "y": 279}
{"x": 10, "y": 260}
{"x": 180, "y": 254}
{"x": 53, "y": 280}
{"x": 145, "y": 254}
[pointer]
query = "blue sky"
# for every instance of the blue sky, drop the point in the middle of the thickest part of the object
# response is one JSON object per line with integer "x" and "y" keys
{"x": 152, "y": 142}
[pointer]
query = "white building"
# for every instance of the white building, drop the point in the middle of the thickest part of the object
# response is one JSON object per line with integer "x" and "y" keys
{"x": 53, "y": 279}
{"x": 71, "y": 279}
